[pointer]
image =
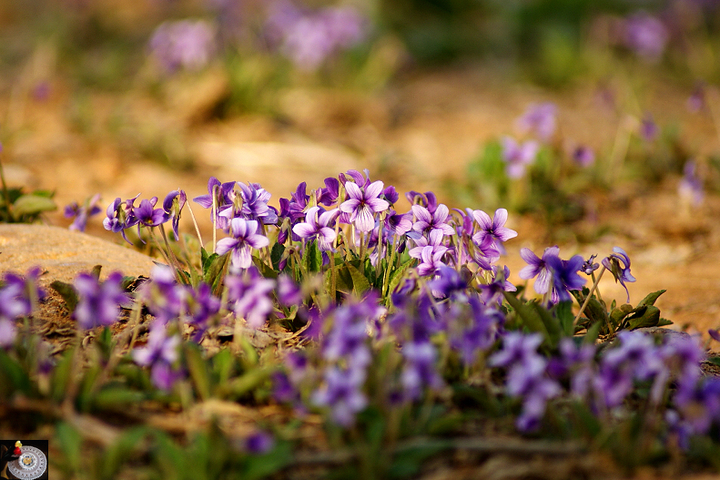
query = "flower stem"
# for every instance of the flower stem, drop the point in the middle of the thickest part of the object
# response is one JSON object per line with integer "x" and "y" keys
{"x": 587, "y": 299}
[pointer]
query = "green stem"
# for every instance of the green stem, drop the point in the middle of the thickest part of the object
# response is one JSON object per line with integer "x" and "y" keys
{"x": 6, "y": 191}
{"x": 587, "y": 299}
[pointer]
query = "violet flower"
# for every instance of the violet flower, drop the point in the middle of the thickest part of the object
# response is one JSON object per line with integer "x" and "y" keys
{"x": 200, "y": 306}
{"x": 249, "y": 297}
{"x": 172, "y": 206}
{"x": 342, "y": 393}
{"x": 420, "y": 370}
{"x": 539, "y": 119}
{"x": 149, "y": 216}
{"x": 646, "y": 35}
{"x": 426, "y": 222}
{"x": 244, "y": 238}
{"x": 121, "y": 216}
{"x": 537, "y": 267}
{"x": 162, "y": 294}
{"x": 518, "y": 156}
{"x": 219, "y": 194}
{"x": 493, "y": 228}
{"x": 259, "y": 443}
{"x": 362, "y": 203}
{"x": 583, "y": 156}
{"x": 565, "y": 277}
{"x": 691, "y": 186}
{"x": 81, "y": 214}
{"x": 648, "y": 128}
{"x": 619, "y": 265}
{"x": 161, "y": 353}
{"x": 98, "y": 303}
{"x": 318, "y": 224}
{"x": 183, "y": 44}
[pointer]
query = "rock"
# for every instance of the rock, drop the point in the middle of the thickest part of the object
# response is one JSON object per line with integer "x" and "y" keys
{"x": 64, "y": 253}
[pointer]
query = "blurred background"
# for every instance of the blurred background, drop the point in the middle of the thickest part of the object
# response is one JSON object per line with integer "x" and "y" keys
{"x": 595, "y": 123}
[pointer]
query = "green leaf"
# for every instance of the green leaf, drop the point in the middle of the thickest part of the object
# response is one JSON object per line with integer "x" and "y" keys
{"x": 530, "y": 317}
{"x": 651, "y": 298}
{"x": 213, "y": 269}
{"x": 61, "y": 374}
{"x": 122, "y": 451}
{"x": 96, "y": 271}
{"x": 116, "y": 398}
{"x": 552, "y": 324}
{"x": 262, "y": 466}
{"x": 239, "y": 386}
{"x": 13, "y": 377}
{"x": 223, "y": 364}
{"x": 592, "y": 333}
{"x": 33, "y": 205}
{"x": 312, "y": 258}
{"x": 397, "y": 275}
{"x": 198, "y": 370}
{"x": 360, "y": 282}
{"x": 564, "y": 314}
{"x": 645, "y": 316}
{"x": 67, "y": 292}
{"x": 69, "y": 441}
{"x": 264, "y": 269}
{"x": 276, "y": 254}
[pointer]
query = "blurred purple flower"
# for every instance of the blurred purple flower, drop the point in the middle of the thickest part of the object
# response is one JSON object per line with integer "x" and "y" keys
{"x": 342, "y": 392}
{"x": 518, "y": 156}
{"x": 648, "y": 128}
{"x": 98, "y": 303}
{"x": 249, "y": 297}
{"x": 259, "y": 443}
{"x": 646, "y": 35}
{"x": 289, "y": 293}
{"x": 81, "y": 214}
{"x": 419, "y": 370}
{"x": 162, "y": 354}
{"x": 162, "y": 294}
{"x": 691, "y": 186}
{"x": 619, "y": 265}
{"x": 183, "y": 44}
{"x": 200, "y": 306}
{"x": 539, "y": 119}
{"x": 583, "y": 156}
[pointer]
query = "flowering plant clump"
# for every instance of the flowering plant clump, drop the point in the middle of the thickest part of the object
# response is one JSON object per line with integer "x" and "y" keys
{"x": 386, "y": 324}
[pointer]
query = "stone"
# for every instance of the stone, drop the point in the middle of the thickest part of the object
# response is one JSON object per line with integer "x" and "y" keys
{"x": 65, "y": 253}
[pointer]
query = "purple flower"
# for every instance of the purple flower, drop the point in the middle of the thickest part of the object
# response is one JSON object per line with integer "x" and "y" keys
{"x": 590, "y": 265}
{"x": 149, "y": 216}
{"x": 578, "y": 361}
{"x": 162, "y": 354}
{"x": 493, "y": 291}
{"x": 172, "y": 206}
{"x": 691, "y": 186}
{"x": 328, "y": 196}
{"x": 648, "y": 128}
{"x": 430, "y": 252}
{"x": 244, "y": 237}
{"x": 564, "y": 276}
{"x": 349, "y": 335}
{"x": 318, "y": 224}
{"x": 518, "y": 156}
{"x": 162, "y": 295}
{"x": 259, "y": 443}
{"x": 219, "y": 194}
{"x": 289, "y": 293}
{"x": 493, "y": 228}
{"x": 539, "y": 119}
{"x": 187, "y": 44}
{"x": 517, "y": 348}
{"x": 249, "y": 297}
{"x": 251, "y": 203}
{"x": 397, "y": 224}
{"x": 200, "y": 305}
{"x": 426, "y": 222}
{"x": 481, "y": 332}
{"x": 619, "y": 265}
{"x": 121, "y": 216}
{"x": 646, "y": 36}
{"x": 583, "y": 156}
{"x": 98, "y": 303}
{"x": 698, "y": 99}
{"x": 362, "y": 203}
{"x": 419, "y": 370}
{"x": 81, "y": 214}
{"x": 538, "y": 268}
{"x": 342, "y": 392}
